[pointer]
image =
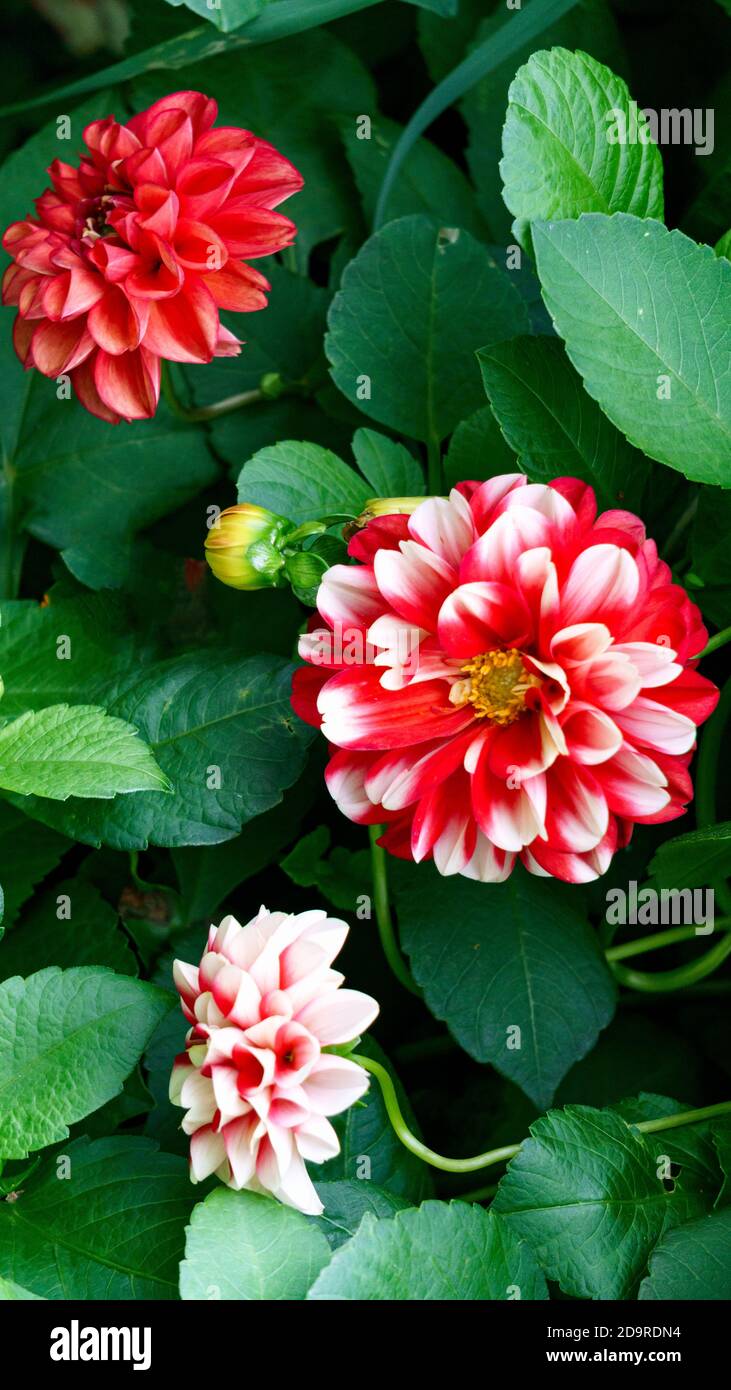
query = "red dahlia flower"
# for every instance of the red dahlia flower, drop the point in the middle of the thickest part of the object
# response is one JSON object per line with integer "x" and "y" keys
{"x": 133, "y": 254}
{"x": 506, "y": 673}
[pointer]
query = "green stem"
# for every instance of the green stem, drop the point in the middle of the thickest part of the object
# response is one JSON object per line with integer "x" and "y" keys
{"x": 195, "y": 414}
{"x": 434, "y": 480}
{"x": 661, "y": 938}
{"x": 660, "y": 981}
{"x": 410, "y": 1141}
{"x": 384, "y": 918}
{"x": 501, "y": 1155}
{"x": 719, "y": 639}
{"x": 686, "y": 1117}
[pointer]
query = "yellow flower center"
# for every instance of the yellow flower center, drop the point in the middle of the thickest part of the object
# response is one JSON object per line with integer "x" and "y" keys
{"x": 495, "y": 684}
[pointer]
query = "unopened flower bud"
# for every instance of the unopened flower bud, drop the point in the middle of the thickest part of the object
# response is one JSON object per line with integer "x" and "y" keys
{"x": 243, "y": 547}
{"x": 388, "y": 506}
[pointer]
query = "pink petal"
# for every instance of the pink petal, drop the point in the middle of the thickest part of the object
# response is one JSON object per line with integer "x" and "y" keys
{"x": 602, "y": 579}
{"x": 414, "y": 581}
{"x": 445, "y": 526}
{"x": 339, "y": 1016}
{"x": 207, "y": 1153}
{"x": 654, "y": 725}
{"x": 334, "y": 1084}
{"x": 358, "y": 713}
{"x": 478, "y": 617}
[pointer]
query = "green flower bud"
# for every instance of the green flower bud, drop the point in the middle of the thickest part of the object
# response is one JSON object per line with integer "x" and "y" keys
{"x": 389, "y": 506}
{"x": 243, "y": 548}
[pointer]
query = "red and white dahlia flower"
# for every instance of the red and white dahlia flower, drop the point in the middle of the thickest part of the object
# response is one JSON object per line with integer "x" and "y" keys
{"x": 133, "y": 253}
{"x": 504, "y": 673}
{"x": 255, "y": 1079}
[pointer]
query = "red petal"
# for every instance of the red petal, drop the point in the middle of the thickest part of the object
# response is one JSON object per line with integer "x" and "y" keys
{"x": 184, "y": 328}
{"x": 130, "y": 384}
{"x": 237, "y": 287}
{"x": 59, "y": 347}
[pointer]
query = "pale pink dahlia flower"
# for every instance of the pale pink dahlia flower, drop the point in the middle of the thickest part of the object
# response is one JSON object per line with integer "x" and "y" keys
{"x": 504, "y": 673}
{"x": 255, "y": 1078}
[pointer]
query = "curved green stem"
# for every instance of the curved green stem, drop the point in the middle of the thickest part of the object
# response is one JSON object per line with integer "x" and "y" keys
{"x": 410, "y": 1141}
{"x": 719, "y": 639}
{"x": 660, "y": 981}
{"x": 384, "y": 918}
{"x": 661, "y": 938}
{"x": 501, "y": 1155}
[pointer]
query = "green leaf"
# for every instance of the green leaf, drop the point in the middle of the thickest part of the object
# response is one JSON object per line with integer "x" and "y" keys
{"x": 447, "y": 8}
{"x": 478, "y": 450}
{"x": 561, "y": 156}
{"x": 346, "y": 1203}
{"x": 555, "y": 428}
{"x": 68, "y": 1038}
{"x": 341, "y": 877}
{"x": 32, "y": 849}
{"x": 302, "y": 481}
{"x": 92, "y": 513}
{"x": 695, "y": 1176}
{"x": 387, "y": 466}
{"x": 584, "y": 1191}
{"x": 693, "y": 1262}
{"x": 415, "y": 304}
{"x": 244, "y": 1246}
{"x": 429, "y": 183}
{"x": 225, "y": 14}
{"x": 493, "y": 959}
{"x": 70, "y": 924}
{"x": 694, "y": 859}
{"x": 279, "y": 21}
{"x": 66, "y": 650}
{"x": 208, "y": 873}
{"x": 10, "y": 1292}
{"x": 644, "y": 310}
{"x": 721, "y": 1138}
{"x": 445, "y": 1250}
{"x": 105, "y": 1220}
{"x": 224, "y": 733}
{"x": 75, "y": 750}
